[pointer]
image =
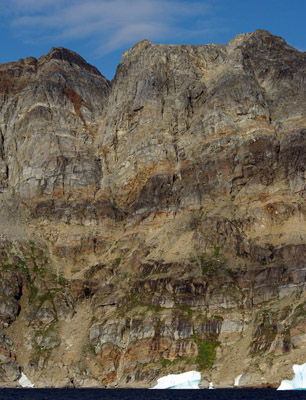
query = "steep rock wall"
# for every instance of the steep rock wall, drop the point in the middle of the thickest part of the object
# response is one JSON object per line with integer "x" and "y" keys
{"x": 155, "y": 223}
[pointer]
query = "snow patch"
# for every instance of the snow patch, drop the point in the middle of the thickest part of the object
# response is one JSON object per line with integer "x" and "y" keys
{"x": 187, "y": 380}
{"x": 299, "y": 380}
{"x": 25, "y": 381}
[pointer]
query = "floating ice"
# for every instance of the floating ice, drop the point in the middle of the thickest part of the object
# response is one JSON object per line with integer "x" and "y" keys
{"x": 25, "y": 381}
{"x": 187, "y": 380}
{"x": 299, "y": 380}
{"x": 237, "y": 379}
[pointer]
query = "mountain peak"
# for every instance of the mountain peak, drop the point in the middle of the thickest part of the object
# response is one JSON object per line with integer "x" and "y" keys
{"x": 155, "y": 224}
{"x": 69, "y": 56}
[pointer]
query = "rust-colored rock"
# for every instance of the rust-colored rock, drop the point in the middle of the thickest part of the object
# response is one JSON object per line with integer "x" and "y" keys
{"x": 156, "y": 223}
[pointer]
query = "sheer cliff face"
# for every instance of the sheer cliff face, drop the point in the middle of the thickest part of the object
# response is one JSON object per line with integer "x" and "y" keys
{"x": 155, "y": 223}
{"x": 50, "y": 111}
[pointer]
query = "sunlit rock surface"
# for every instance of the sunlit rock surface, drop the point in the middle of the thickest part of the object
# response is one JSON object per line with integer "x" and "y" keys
{"x": 154, "y": 224}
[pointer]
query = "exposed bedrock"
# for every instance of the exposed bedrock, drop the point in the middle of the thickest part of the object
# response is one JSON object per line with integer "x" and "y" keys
{"x": 154, "y": 224}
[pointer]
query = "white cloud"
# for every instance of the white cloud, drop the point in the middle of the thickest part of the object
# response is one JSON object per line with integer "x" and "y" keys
{"x": 133, "y": 33}
{"x": 109, "y": 24}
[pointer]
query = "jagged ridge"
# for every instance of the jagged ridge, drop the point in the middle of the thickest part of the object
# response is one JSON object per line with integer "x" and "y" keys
{"x": 165, "y": 210}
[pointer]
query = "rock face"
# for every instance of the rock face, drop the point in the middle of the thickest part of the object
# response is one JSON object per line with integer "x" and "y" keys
{"x": 154, "y": 224}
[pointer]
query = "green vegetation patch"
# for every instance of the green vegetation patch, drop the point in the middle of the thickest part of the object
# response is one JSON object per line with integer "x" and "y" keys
{"x": 206, "y": 352}
{"x": 298, "y": 314}
{"x": 154, "y": 308}
{"x": 89, "y": 348}
{"x": 44, "y": 341}
{"x": 134, "y": 302}
{"x": 213, "y": 264}
{"x": 165, "y": 362}
{"x": 300, "y": 310}
{"x": 196, "y": 219}
{"x": 185, "y": 309}
{"x": 117, "y": 261}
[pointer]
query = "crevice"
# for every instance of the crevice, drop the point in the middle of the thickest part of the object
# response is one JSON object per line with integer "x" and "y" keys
{"x": 2, "y": 155}
{"x": 78, "y": 102}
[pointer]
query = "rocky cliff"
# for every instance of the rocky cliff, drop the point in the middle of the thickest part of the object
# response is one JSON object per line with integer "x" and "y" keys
{"x": 156, "y": 223}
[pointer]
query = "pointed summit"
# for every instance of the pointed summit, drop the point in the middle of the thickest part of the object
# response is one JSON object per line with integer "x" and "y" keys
{"x": 69, "y": 56}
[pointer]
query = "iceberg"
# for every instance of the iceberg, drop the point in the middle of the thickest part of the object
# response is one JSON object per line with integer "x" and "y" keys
{"x": 299, "y": 380}
{"x": 187, "y": 380}
{"x": 237, "y": 379}
{"x": 25, "y": 381}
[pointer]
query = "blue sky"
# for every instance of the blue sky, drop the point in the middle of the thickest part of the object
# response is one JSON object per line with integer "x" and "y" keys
{"x": 100, "y": 30}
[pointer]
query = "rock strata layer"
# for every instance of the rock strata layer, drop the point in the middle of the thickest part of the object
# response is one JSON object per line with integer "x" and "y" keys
{"x": 154, "y": 224}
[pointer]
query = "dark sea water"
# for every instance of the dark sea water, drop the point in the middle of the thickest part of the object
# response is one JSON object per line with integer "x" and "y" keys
{"x": 145, "y": 394}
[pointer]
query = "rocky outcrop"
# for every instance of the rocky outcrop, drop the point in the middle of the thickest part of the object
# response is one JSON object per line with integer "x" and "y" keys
{"x": 49, "y": 117}
{"x": 156, "y": 223}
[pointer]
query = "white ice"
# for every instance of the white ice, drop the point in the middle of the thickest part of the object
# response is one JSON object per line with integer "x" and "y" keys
{"x": 187, "y": 380}
{"x": 25, "y": 381}
{"x": 237, "y": 379}
{"x": 299, "y": 380}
